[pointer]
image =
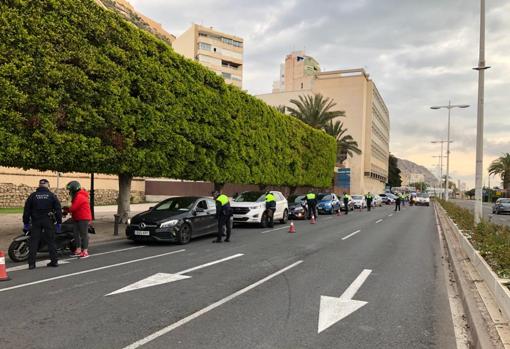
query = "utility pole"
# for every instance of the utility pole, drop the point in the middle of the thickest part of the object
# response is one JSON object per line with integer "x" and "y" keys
{"x": 479, "y": 118}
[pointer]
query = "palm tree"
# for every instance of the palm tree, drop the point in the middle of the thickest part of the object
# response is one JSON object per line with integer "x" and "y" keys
{"x": 281, "y": 108}
{"x": 314, "y": 110}
{"x": 501, "y": 166}
{"x": 345, "y": 144}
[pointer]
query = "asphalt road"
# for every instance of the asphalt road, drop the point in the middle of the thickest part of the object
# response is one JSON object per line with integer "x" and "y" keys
{"x": 503, "y": 219}
{"x": 262, "y": 290}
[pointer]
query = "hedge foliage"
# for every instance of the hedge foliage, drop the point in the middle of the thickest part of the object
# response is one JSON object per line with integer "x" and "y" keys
{"x": 491, "y": 240}
{"x": 83, "y": 90}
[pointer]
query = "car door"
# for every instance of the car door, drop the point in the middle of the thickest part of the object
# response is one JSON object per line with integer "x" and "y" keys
{"x": 280, "y": 205}
{"x": 335, "y": 202}
{"x": 200, "y": 217}
{"x": 212, "y": 221}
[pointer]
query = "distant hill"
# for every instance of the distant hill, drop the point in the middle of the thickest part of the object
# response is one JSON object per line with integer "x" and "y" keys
{"x": 408, "y": 167}
{"x": 126, "y": 10}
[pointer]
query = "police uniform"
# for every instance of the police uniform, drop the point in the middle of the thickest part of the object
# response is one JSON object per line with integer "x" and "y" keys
{"x": 346, "y": 199}
{"x": 223, "y": 213}
{"x": 369, "y": 199}
{"x": 270, "y": 208}
{"x": 397, "y": 202}
{"x": 39, "y": 209}
{"x": 311, "y": 200}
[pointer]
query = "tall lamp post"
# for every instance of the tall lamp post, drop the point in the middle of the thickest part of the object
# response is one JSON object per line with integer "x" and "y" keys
{"x": 441, "y": 164}
{"x": 479, "y": 118}
{"x": 450, "y": 106}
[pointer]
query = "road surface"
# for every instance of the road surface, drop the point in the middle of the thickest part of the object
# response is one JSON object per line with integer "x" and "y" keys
{"x": 365, "y": 280}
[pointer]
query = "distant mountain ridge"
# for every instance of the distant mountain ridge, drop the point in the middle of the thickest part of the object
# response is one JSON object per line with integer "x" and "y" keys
{"x": 126, "y": 10}
{"x": 407, "y": 167}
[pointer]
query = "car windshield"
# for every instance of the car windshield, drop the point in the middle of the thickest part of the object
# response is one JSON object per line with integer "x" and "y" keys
{"x": 325, "y": 197}
{"x": 296, "y": 198}
{"x": 175, "y": 204}
{"x": 382, "y": 195}
{"x": 423, "y": 195}
{"x": 251, "y": 196}
{"x": 504, "y": 201}
{"x": 357, "y": 197}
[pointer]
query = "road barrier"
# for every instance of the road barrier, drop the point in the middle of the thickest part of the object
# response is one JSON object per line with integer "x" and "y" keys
{"x": 292, "y": 228}
{"x": 3, "y": 271}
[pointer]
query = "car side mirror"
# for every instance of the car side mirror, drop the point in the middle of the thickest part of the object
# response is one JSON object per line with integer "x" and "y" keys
{"x": 199, "y": 210}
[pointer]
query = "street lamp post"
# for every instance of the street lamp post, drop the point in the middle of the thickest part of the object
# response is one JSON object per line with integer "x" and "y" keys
{"x": 479, "y": 118}
{"x": 441, "y": 165}
{"x": 450, "y": 106}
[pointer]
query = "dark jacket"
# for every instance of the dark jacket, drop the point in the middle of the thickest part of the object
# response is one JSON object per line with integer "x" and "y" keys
{"x": 40, "y": 204}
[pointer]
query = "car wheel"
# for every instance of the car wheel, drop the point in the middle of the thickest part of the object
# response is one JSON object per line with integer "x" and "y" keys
{"x": 285, "y": 217}
{"x": 184, "y": 234}
{"x": 264, "y": 221}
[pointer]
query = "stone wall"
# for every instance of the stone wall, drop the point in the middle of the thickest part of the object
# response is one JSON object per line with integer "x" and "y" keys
{"x": 12, "y": 195}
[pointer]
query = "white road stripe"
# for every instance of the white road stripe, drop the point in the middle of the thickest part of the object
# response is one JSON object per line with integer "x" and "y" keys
{"x": 210, "y": 263}
{"x": 66, "y": 261}
{"x": 352, "y": 234}
{"x": 207, "y": 309}
{"x": 390, "y": 215}
{"x": 268, "y": 231}
{"x": 378, "y": 221}
{"x": 87, "y": 271}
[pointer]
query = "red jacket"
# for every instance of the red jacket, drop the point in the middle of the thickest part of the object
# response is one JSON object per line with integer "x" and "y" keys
{"x": 80, "y": 207}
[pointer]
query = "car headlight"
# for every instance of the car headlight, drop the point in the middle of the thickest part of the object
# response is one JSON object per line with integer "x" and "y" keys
{"x": 129, "y": 221}
{"x": 169, "y": 223}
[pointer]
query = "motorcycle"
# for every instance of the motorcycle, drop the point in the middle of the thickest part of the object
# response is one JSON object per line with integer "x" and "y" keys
{"x": 64, "y": 241}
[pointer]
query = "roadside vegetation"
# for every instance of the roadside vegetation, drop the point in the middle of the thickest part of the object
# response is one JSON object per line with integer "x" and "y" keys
{"x": 491, "y": 240}
{"x": 11, "y": 210}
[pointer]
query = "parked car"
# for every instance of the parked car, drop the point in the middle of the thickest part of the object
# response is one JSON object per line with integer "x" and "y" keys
{"x": 377, "y": 201}
{"x": 502, "y": 205}
{"x": 298, "y": 207}
{"x": 387, "y": 198}
{"x": 359, "y": 201}
{"x": 422, "y": 199}
{"x": 350, "y": 205}
{"x": 328, "y": 203}
{"x": 177, "y": 219}
{"x": 250, "y": 207}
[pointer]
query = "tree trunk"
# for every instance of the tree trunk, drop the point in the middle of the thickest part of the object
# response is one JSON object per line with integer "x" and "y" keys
{"x": 292, "y": 190}
{"x": 262, "y": 187}
{"x": 124, "y": 199}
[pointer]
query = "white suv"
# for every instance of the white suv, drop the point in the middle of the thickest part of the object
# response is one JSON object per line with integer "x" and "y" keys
{"x": 250, "y": 207}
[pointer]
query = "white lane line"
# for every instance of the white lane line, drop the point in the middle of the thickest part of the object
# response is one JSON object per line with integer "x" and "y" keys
{"x": 207, "y": 309}
{"x": 268, "y": 231}
{"x": 378, "y": 221}
{"x": 87, "y": 271}
{"x": 66, "y": 260}
{"x": 352, "y": 234}
{"x": 390, "y": 215}
{"x": 210, "y": 263}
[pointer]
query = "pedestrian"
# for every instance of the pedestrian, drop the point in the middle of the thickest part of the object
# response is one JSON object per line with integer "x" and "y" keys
{"x": 346, "y": 198}
{"x": 397, "y": 201}
{"x": 42, "y": 208}
{"x": 311, "y": 201}
{"x": 369, "y": 198}
{"x": 270, "y": 208}
{"x": 81, "y": 215}
{"x": 223, "y": 214}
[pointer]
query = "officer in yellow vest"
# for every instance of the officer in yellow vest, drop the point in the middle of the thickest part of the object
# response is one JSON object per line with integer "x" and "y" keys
{"x": 270, "y": 208}
{"x": 369, "y": 198}
{"x": 223, "y": 213}
{"x": 311, "y": 201}
{"x": 346, "y": 198}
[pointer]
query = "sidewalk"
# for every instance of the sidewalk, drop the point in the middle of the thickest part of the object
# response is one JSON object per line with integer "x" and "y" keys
{"x": 11, "y": 225}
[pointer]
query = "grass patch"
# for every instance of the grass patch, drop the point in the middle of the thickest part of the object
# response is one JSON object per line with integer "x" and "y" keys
{"x": 11, "y": 210}
{"x": 491, "y": 240}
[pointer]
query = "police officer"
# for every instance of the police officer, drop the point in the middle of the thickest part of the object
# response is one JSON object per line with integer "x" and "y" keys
{"x": 369, "y": 198}
{"x": 40, "y": 208}
{"x": 346, "y": 199}
{"x": 397, "y": 201}
{"x": 223, "y": 213}
{"x": 270, "y": 208}
{"x": 311, "y": 200}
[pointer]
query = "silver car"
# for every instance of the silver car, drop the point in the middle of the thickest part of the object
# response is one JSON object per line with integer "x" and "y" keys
{"x": 501, "y": 205}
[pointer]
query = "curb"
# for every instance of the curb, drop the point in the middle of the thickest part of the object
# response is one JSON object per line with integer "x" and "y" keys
{"x": 482, "y": 335}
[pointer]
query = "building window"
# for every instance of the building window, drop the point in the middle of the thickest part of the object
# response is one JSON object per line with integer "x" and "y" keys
{"x": 226, "y": 75}
{"x": 204, "y": 46}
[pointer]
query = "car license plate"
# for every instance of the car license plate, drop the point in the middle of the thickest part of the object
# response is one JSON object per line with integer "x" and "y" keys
{"x": 142, "y": 232}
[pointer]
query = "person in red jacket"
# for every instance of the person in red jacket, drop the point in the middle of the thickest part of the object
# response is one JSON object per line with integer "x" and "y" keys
{"x": 81, "y": 214}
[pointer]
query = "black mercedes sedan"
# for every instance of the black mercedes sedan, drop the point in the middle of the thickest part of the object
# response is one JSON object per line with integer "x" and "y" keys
{"x": 177, "y": 219}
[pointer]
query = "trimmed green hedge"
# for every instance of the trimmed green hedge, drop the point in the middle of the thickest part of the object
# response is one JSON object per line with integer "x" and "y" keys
{"x": 491, "y": 240}
{"x": 83, "y": 90}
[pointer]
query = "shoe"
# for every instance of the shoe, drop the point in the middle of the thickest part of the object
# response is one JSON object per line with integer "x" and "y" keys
{"x": 52, "y": 264}
{"x": 77, "y": 253}
{"x": 216, "y": 241}
{"x": 31, "y": 266}
{"x": 84, "y": 254}
{"x": 227, "y": 240}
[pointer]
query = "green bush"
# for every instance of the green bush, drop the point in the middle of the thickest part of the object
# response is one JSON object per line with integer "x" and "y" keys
{"x": 491, "y": 240}
{"x": 83, "y": 90}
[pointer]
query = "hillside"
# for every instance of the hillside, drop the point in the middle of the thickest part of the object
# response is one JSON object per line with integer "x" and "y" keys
{"x": 407, "y": 167}
{"x": 125, "y": 9}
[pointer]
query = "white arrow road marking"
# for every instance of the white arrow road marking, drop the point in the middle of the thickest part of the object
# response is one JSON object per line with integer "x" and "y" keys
{"x": 352, "y": 234}
{"x": 207, "y": 309}
{"x": 333, "y": 309}
{"x": 87, "y": 271}
{"x": 391, "y": 214}
{"x": 378, "y": 221}
{"x": 164, "y": 278}
{"x": 37, "y": 264}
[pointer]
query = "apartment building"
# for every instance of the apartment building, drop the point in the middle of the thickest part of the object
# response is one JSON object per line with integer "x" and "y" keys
{"x": 220, "y": 52}
{"x": 366, "y": 116}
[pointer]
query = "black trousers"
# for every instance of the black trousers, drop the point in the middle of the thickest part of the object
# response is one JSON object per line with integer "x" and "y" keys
{"x": 270, "y": 217}
{"x": 224, "y": 223}
{"x": 42, "y": 230}
{"x": 369, "y": 205}
{"x": 312, "y": 210}
{"x": 346, "y": 205}
{"x": 397, "y": 205}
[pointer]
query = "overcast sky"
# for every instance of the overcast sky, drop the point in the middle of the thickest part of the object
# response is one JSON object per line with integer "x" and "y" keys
{"x": 419, "y": 53}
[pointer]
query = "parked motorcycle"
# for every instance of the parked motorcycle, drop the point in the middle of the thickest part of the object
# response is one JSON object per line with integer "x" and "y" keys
{"x": 64, "y": 241}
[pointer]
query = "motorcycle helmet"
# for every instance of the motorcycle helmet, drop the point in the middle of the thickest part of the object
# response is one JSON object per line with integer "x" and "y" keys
{"x": 73, "y": 187}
